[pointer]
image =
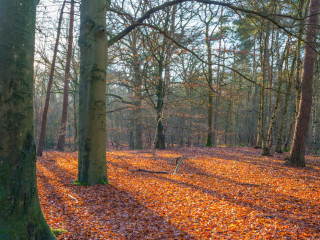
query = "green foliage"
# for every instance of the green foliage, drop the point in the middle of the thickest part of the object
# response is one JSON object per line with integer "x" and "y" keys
{"x": 209, "y": 141}
{"x": 286, "y": 149}
{"x": 58, "y": 232}
{"x": 78, "y": 183}
{"x": 102, "y": 182}
{"x": 241, "y": 145}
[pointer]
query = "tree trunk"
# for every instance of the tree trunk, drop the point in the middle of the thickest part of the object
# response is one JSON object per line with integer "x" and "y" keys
{"x": 253, "y": 98}
{"x": 298, "y": 146}
{"x": 265, "y": 70}
{"x": 92, "y": 103}
{"x": 160, "y": 142}
{"x": 216, "y": 105}
{"x": 46, "y": 105}
{"x": 210, "y": 94}
{"x": 299, "y": 64}
{"x": 290, "y": 131}
{"x": 315, "y": 105}
{"x": 62, "y": 135}
{"x": 268, "y": 144}
{"x": 285, "y": 106}
{"x": 138, "y": 126}
{"x": 163, "y": 84}
{"x": 21, "y": 217}
{"x": 160, "y": 139}
{"x": 137, "y": 112}
{"x": 75, "y": 121}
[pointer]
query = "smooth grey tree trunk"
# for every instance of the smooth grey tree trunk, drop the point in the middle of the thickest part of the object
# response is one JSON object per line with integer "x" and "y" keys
{"x": 92, "y": 93}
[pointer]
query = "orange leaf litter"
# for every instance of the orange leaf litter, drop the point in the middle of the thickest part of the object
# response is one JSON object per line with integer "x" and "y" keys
{"x": 218, "y": 193}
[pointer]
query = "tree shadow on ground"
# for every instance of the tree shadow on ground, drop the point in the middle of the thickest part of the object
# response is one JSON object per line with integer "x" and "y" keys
{"x": 272, "y": 204}
{"x": 103, "y": 212}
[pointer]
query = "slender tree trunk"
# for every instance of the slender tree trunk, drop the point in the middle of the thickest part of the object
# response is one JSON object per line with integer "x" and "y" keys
{"x": 138, "y": 128}
{"x": 75, "y": 119}
{"x": 285, "y": 107}
{"x": 160, "y": 139}
{"x": 299, "y": 64}
{"x": 268, "y": 144}
{"x": 290, "y": 131}
{"x": 163, "y": 84}
{"x": 92, "y": 103}
{"x": 253, "y": 96}
{"x": 209, "y": 142}
{"x": 217, "y": 99}
{"x": 314, "y": 114}
{"x": 46, "y": 105}
{"x": 137, "y": 118}
{"x": 131, "y": 139}
{"x": 20, "y": 213}
{"x": 301, "y": 14}
{"x": 63, "y": 127}
{"x": 265, "y": 70}
{"x": 298, "y": 146}
{"x": 315, "y": 104}
{"x": 137, "y": 112}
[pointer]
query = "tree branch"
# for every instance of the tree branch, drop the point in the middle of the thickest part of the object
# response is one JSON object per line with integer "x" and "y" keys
{"x": 148, "y": 14}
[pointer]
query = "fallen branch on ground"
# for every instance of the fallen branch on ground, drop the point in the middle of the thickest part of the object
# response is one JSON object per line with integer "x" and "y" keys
{"x": 148, "y": 171}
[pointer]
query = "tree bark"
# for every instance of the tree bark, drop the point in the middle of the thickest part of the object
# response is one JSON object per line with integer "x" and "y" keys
{"x": 160, "y": 140}
{"x": 209, "y": 142}
{"x": 217, "y": 98}
{"x": 285, "y": 107}
{"x": 137, "y": 112}
{"x": 46, "y": 105}
{"x": 299, "y": 62}
{"x": 63, "y": 127}
{"x": 265, "y": 70}
{"x": 268, "y": 144}
{"x": 21, "y": 217}
{"x": 92, "y": 103}
{"x": 298, "y": 146}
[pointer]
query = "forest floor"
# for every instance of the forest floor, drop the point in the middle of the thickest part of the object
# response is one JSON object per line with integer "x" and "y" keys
{"x": 218, "y": 193}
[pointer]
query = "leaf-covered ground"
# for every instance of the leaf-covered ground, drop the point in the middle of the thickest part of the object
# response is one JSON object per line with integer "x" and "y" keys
{"x": 218, "y": 193}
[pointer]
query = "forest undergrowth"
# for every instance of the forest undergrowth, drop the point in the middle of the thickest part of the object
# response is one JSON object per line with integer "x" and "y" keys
{"x": 217, "y": 193}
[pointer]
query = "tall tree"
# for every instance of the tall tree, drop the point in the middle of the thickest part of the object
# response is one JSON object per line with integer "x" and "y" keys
{"x": 268, "y": 144}
{"x": 264, "y": 58}
{"x": 285, "y": 105}
{"x": 208, "y": 39}
{"x": 296, "y": 157}
{"x": 63, "y": 127}
{"x": 46, "y": 104}
{"x": 20, "y": 213}
{"x": 216, "y": 110}
{"x": 137, "y": 93}
{"x": 92, "y": 93}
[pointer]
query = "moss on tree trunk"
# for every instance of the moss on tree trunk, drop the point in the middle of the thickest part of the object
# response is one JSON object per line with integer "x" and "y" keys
{"x": 20, "y": 213}
{"x": 92, "y": 108}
